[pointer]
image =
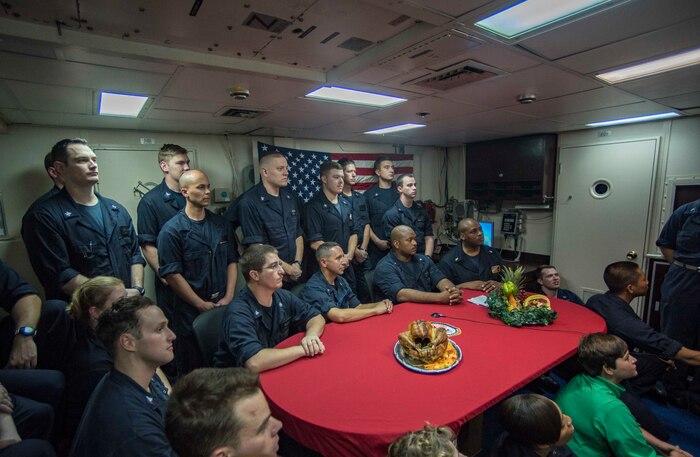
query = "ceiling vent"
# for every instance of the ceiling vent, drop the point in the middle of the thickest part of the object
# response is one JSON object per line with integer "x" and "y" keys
{"x": 466, "y": 72}
{"x": 355, "y": 44}
{"x": 430, "y": 52}
{"x": 241, "y": 113}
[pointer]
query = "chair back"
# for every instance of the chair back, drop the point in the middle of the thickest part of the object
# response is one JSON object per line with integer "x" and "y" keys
{"x": 207, "y": 328}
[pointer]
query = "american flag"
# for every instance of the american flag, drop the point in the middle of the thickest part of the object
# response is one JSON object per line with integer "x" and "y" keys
{"x": 304, "y": 167}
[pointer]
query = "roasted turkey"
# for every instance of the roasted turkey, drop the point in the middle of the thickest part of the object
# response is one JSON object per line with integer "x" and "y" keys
{"x": 423, "y": 342}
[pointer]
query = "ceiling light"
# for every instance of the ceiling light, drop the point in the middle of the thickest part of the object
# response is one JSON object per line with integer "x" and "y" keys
{"x": 112, "y": 104}
{"x": 653, "y": 67}
{"x": 356, "y": 97}
{"x": 395, "y": 128}
{"x": 629, "y": 120}
{"x": 526, "y": 16}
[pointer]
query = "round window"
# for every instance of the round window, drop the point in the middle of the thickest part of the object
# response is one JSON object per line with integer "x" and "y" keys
{"x": 601, "y": 188}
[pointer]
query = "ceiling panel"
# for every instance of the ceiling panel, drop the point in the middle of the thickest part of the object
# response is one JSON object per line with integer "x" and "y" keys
{"x": 437, "y": 108}
{"x": 452, "y": 8}
{"x": 321, "y": 107}
{"x": 300, "y": 119}
{"x": 7, "y": 98}
{"x": 638, "y": 16}
{"x": 57, "y": 99}
{"x": 15, "y": 116}
{"x": 606, "y": 114}
{"x": 683, "y": 101}
{"x": 189, "y": 104}
{"x": 657, "y": 43}
{"x": 53, "y": 72}
{"x": 544, "y": 81}
{"x": 583, "y": 101}
{"x": 666, "y": 84}
{"x": 190, "y": 116}
{"x": 214, "y": 85}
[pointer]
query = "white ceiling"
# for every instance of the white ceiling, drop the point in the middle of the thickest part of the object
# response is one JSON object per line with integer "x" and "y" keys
{"x": 56, "y": 56}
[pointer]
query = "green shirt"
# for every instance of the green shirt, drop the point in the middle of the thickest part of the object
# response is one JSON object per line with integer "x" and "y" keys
{"x": 603, "y": 424}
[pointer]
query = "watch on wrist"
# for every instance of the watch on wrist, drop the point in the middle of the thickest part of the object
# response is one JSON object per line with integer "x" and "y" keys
{"x": 296, "y": 262}
{"x": 141, "y": 290}
{"x": 26, "y": 331}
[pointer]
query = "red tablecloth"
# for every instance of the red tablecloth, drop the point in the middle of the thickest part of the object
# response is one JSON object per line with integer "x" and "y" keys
{"x": 356, "y": 398}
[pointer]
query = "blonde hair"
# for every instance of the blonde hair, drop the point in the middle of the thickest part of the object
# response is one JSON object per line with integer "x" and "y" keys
{"x": 93, "y": 292}
{"x": 428, "y": 442}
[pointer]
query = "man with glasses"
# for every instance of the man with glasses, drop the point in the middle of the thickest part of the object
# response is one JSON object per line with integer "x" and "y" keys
{"x": 330, "y": 293}
{"x": 263, "y": 314}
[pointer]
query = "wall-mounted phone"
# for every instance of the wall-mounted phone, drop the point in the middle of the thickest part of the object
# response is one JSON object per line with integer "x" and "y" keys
{"x": 511, "y": 223}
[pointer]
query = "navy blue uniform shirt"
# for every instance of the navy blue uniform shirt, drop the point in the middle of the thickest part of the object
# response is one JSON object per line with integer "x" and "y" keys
{"x": 124, "y": 420}
{"x": 392, "y": 275}
{"x": 12, "y": 287}
{"x": 37, "y": 204}
{"x": 624, "y": 322}
{"x": 682, "y": 233}
{"x": 324, "y": 222}
{"x": 360, "y": 213}
{"x": 64, "y": 242}
{"x": 323, "y": 296}
{"x": 378, "y": 202}
{"x": 157, "y": 207}
{"x": 415, "y": 217}
{"x": 566, "y": 294}
{"x": 248, "y": 327}
{"x": 459, "y": 267}
{"x": 262, "y": 222}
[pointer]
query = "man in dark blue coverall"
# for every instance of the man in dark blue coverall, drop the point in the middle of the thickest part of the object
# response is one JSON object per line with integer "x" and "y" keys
{"x": 679, "y": 242}
{"x": 78, "y": 234}
{"x": 269, "y": 213}
{"x": 198, "y": 257}
{"x": 329, "y": 218}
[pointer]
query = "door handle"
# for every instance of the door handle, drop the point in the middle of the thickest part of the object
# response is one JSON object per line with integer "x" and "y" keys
{"x": 631, "y": 255}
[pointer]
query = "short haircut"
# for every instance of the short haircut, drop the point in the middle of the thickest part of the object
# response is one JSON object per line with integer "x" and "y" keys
{"x": 324, "y": 250}
{"x": 200, "y": 416}
{"x": 539, "y": 272}
{"x": 344, "y": 162}
{"x": 619, "y": 275}
{"x": 48, "y": 161}
{"x": 428, "y": 442}
{"x": 59, "y": 151}
{"x": 267, "y": 158}
{"x": 121, "y": 318}
{"x": 599, "y": 350}
{"x": 253, "y": 259}
{"x": 326, "y": 167}
{"x": 168, "y": 151}
{"x": 531, "y": 419}
{"x": 378, "y": 162}
{"x": 402, "y": 177}
{"x": 93, "y": 292}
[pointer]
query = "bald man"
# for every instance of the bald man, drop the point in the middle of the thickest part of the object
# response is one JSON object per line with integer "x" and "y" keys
{"x": 403, "y": 275}
{"x": 198, "y": 258}
{"x": 470, "y": 264}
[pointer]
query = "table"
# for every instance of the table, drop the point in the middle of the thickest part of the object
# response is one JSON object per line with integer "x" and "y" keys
{"x": 356, "y": 398}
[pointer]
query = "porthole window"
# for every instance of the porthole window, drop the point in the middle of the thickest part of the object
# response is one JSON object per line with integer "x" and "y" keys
{"x": 601, "y": 188}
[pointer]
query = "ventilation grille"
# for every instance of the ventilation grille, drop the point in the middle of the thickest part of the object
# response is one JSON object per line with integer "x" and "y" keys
{"x": 430, "y": 53}
{"x": 355, "y": 44}
{"x": 466, "y": 72}
{"x": 242, "y": 113}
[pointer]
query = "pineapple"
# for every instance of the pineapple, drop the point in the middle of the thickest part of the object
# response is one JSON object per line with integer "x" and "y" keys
{"x": 512, "y": 284}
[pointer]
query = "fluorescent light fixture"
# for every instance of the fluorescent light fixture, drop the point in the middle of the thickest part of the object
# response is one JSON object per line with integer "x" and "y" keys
{"x": 629, "y": 120}
{"x": 653, "y": 67}
{"x": 356, "y": 97}
{"x": 395, "y": 128}
{"x": 112, "y": 104}
{"x": 528, "y": 15}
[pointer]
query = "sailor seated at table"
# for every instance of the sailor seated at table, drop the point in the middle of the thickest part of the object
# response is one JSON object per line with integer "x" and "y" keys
{"x": 262, "y": 315}
{"x": 626, "y": 281}
{"x": 215, "y": 412}
{"x": 330, "y": 293}
{"x": 549, "y": 282}
{"x": 604, "y": 423}
{"x": 470, "y": 264}
{"x": 403, "y": 275}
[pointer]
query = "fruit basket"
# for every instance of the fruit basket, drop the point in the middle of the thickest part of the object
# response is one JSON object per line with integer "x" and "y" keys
{"x": 514, "y": 307}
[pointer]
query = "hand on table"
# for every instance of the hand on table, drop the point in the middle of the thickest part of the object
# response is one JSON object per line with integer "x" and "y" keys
{"x": 384, "y": 307}
{"x": 312, "y": 346}
{"x": 451, "y": 296}
{"x": 490, "y": 286}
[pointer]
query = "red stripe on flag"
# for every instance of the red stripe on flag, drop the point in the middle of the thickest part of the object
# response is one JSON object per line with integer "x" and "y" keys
{"x": 370, "y": 171}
